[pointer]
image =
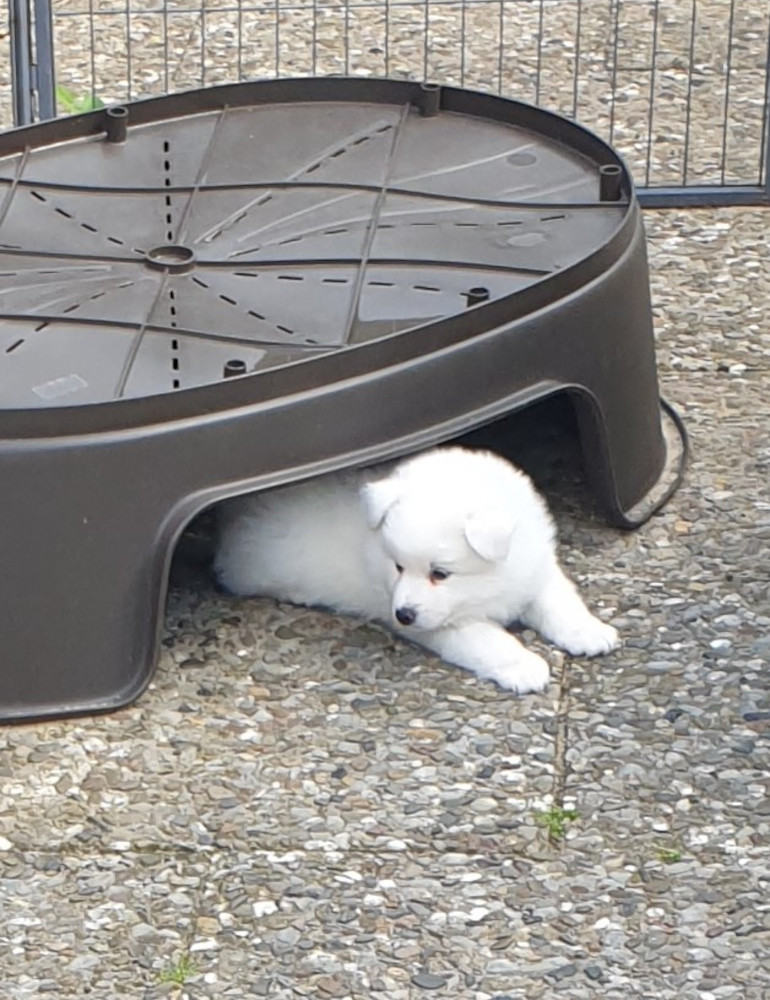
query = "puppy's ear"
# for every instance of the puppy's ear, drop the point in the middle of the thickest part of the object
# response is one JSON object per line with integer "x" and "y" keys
{"x": 488, "y": 532}
{"x": 378, "y": 497}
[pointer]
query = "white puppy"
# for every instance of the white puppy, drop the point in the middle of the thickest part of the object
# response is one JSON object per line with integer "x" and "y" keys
{"x": 447, "y": 548}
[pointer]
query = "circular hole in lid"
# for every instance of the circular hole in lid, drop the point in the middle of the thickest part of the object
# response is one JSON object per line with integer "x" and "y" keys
{"x": 171, "y": 257}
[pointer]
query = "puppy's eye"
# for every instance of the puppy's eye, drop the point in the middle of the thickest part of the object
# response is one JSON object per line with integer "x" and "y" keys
{"x": 437, "y": 575}
{"x": 399, "y": 569}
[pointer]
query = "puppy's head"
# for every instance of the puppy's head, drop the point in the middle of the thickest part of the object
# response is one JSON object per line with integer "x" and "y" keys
{"x": 442, "y": 544}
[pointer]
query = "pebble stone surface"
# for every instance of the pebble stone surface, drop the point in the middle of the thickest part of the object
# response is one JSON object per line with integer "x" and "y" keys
{"x": 301, "y": 806}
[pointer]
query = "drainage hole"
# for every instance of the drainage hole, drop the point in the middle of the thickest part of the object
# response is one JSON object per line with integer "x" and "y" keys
{"x": 551, "y": 218}
{"x": 175, "y": 384}
{"x": 334, "y": 281}
{"x": 114, "y": 239}
{"x": 91, "y": 229}
{"x": 67, "y": 215}
{"x": 293, "y": 239}
{"x": 175, "y": 364}
{"x": 382, "y": 284}
{"x": 425, "y": 288}
{"x": 290, "y": 277}
{"x": 41, "y": 326}
{"x": 245, "y": 274}
{"x": 40, "y": 197}
{"x": 14, "y": 346}
{"x": 174, "y": 345}
{"x": 256, "y": 315}
{"x": 334, "y": 232}
{"x": 199, "y": 282}
{"x": 285, "y": 329}
{"x": 226, "y": 298}
{"x": 72, "y": 308}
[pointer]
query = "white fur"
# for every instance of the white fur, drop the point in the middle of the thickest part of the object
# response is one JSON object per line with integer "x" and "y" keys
{"x": 370, "y": 544}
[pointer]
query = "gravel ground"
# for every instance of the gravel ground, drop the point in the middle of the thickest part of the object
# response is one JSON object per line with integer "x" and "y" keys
{"x": 302, "y": 806}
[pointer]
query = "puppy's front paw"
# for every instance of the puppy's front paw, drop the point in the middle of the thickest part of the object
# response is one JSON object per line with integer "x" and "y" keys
{"x": 590, "y": 637}
{"x": 524, "y": 673}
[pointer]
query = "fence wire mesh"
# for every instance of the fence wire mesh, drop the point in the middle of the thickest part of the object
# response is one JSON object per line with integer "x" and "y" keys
{"x": 680, "y": 88}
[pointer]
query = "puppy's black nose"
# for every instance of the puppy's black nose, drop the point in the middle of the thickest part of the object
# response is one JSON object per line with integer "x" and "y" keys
{"x": 406, "y": 616}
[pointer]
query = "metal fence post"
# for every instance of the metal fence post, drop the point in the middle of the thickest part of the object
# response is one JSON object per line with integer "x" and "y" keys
{"x": 32, "y": 67}
{"x": 21, "y": 62}
{"x": 44, "y": 64}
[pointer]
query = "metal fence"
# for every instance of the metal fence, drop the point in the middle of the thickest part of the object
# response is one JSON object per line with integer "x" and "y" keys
{"x": 680, "y": 88}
